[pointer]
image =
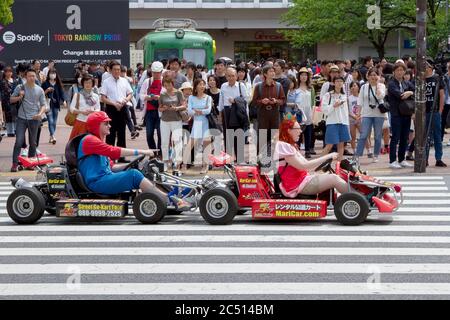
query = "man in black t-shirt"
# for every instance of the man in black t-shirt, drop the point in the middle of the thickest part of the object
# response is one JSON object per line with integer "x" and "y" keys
{"x": 434, "y": 110}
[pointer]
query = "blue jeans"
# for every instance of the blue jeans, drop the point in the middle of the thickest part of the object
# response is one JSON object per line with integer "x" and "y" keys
{"x": 435, "y": 134}
{"x": 22, "y": 126}
{"x": 52, "y": 117}
{"x": 400, "y": 134}
{"x": 366, "y": 128}
{"x": 152, "y": 123}
{"x": 119, "y": 182}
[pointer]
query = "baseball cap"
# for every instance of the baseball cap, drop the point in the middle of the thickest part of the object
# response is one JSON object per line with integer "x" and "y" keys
{"x": 157, "y": 66}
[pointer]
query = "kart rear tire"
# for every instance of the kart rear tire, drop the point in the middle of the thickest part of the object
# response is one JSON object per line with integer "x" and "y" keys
{"x": 351, "y": 209}
{"x": 218, "y": 206}
{"x": 149, "y": 208}
{"x": 25, "y": 206}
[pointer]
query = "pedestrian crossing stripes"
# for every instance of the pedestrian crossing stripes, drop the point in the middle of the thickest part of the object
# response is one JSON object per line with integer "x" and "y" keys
{"x": 407, "y": 253}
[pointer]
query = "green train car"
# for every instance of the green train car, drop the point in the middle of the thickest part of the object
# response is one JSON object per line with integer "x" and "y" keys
{"x": 178, "y": 38}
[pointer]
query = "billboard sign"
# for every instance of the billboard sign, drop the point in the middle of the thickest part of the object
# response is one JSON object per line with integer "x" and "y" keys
{"x": 66, "y": 32}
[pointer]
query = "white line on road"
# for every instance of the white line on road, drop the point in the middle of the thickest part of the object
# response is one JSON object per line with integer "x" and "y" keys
{"x": 224, "y": 238}
{"x": 217, "y": 268}
{"x": 250, "y": 288}
{"x": 247, "y": 227}
{"x": 221, "y": 251}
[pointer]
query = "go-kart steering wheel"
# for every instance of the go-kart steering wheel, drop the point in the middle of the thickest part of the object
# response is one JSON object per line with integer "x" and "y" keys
{"x": 325, "y": 166}
{"x": 134, "y": 162}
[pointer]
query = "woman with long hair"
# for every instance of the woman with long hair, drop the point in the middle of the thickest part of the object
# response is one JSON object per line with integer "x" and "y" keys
{"x": 334, "y": 106}
{"x": 54, "y": 92}
{"x": 199, "y": 106}
{"x": 293, "y": 167}
{"x": 307, "y": 103}
{"x": 370, "y": 98}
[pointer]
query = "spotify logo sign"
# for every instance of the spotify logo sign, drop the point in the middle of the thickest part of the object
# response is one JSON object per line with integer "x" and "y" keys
{"x": 9, "y": 37}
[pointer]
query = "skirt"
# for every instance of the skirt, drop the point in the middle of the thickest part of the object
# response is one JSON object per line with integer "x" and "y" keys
{"x": 337, "y": 133}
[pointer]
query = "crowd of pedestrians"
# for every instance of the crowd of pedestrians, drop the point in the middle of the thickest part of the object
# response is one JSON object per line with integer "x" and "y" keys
{"x": 358, "y": 110}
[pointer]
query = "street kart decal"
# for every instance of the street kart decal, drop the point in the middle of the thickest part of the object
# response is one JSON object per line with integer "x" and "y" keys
{"x": 289, "y": 209}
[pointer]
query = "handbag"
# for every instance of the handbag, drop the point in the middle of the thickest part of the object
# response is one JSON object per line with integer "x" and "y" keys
{"x": 406, "y": 107}
{"x": 212, "y": 121}
{"x": 382, "y": 106}
{"x": 71, "y": 117}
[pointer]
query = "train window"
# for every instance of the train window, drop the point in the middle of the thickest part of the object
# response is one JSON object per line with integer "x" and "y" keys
{"x": 161, "y": 54}
{"x": 197, "y": 56}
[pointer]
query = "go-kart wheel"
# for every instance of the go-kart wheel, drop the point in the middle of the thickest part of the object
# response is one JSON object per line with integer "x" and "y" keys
{"x": 218, "y": 206}
{"x": 351, "y": 209}
{"x": 325, "y": 166}
{"x": 149, "y": 208}
{"x": 26, "y": 205}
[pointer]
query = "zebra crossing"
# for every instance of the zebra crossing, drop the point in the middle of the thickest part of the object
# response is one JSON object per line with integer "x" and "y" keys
{"x": 406, "y": 255}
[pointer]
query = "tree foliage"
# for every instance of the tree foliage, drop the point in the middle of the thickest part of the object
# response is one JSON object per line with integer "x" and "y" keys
{"x": 346, "y": 21}
{"x": 6, "y": 16}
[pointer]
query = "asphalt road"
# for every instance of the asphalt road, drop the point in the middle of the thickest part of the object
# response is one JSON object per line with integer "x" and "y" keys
{"x": 404, "y": 256}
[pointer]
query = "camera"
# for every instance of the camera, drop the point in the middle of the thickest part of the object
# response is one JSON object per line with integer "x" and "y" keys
{"x": 441, "y": 62}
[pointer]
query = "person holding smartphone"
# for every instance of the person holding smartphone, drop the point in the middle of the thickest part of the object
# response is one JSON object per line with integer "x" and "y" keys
{"x": 334, "y": 106}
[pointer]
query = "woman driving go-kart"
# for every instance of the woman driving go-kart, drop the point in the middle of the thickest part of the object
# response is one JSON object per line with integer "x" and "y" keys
{"x": 293, "y": 167}
{"x": 99, "y": 172}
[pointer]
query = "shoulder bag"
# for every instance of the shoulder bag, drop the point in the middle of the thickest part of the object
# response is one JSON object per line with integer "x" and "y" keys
{"x": 71, "y": 117}
{"x": 382, "y": 106}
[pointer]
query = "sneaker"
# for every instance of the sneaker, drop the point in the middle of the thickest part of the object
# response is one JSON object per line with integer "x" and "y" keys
{"x": 312, "y": 152}
{"x": 134, "y": 135}
{"x": 375, "y": 159}
{"x": 448, "y": 144}
{"x": 370, "y": 155}
{"x": 406, "y": 164}
{"x": 181, "y": 204}
{"x": 409, "y": 158}
{"x": 307, "y": 155}
{"x": 440, "y": 163}
{"x": 14, "y": 168}
{"x": 395, "y": 165}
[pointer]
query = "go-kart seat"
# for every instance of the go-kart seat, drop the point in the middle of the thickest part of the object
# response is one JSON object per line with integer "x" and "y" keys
{"x": 71, "y": 154}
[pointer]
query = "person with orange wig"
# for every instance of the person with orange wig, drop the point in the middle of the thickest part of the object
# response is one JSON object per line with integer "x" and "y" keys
{"x": 293, "y": 167}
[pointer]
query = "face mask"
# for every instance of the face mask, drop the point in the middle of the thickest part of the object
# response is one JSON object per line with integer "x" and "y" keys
{"x": 52, "y": 76}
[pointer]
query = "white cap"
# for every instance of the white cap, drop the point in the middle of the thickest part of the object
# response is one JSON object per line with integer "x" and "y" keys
{"x": 157, "y": 66}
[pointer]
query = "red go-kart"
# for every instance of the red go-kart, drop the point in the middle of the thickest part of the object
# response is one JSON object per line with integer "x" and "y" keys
{"x": 250, "y": 189}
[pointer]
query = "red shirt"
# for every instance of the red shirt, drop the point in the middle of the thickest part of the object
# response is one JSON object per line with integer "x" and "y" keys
{"x": 154, "y": 88}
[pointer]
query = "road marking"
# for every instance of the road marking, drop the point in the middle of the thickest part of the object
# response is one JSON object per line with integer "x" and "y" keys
{"x": 247, "y": 288}
{"x": 224, "y": 238}
{"x": 218, "y": 268}
{"x": 426, "y": 201}
{"x": 280, "y": 227}
{"x": 227, "y": 251}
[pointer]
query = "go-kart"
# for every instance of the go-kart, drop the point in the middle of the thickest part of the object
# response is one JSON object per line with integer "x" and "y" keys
{"x": 64, "y": 193}
{"x": 250, "y": 189}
